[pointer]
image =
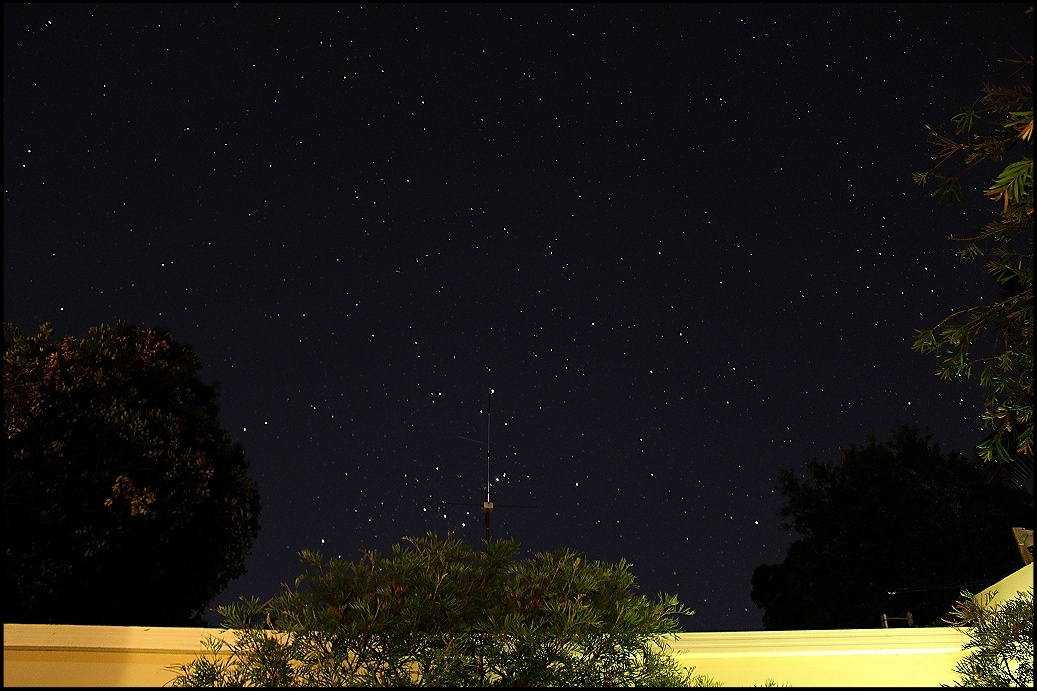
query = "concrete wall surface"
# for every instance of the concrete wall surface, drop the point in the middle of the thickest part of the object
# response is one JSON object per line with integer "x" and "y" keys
{"x": 841, "y": 657}
{"x": 66, "y": 655}
{"x": 61, "y": 655}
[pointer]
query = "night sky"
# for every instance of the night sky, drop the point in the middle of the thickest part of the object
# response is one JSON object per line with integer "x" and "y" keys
{"x": 680, "y": 243}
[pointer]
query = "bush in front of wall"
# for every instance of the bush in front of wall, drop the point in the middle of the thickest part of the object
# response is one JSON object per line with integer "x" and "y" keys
{"x": 1000, "y": 641}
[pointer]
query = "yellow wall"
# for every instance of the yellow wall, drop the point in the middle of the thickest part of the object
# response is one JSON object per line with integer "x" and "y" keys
{"x": 1008, "y": 587}
{"x": 848, "y": 657}
{"x": 62, "y": 655}
{"x": 51, "y": 655}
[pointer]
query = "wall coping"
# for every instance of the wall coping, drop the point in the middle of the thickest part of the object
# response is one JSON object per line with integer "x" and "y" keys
{"x": 123, "y": 639}
{"x": 771, "y": 643}
{"x": 899, "y": 641}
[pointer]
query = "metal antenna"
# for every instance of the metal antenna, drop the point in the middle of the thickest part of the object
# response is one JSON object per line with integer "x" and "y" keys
{"x": 487, "y": 506}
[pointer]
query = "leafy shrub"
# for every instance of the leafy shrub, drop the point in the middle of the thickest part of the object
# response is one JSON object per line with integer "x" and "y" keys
{"x": 442, "y": 614}
{"x": 1000, "y": 641}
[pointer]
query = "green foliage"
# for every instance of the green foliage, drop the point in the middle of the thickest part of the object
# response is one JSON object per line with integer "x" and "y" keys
{"x": 1004, "y": 131}
{"x": 1000, "y": 641}
{"x": 125, "y": 502}
{"x": 897, "y": 526}
{"x": 442, "y": 614}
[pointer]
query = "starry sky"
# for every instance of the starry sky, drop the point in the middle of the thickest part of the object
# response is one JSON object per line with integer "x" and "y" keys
{"x": 680, "y": 243}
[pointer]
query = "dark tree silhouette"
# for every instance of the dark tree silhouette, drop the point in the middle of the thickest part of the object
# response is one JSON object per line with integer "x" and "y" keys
{"x": 897, "y": 526}
{"x": 125, "y": 502}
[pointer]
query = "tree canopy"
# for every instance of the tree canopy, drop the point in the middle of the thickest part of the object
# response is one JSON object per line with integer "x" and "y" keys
{"x": 442, "y": 614}
{"x": 895, "y": 527}
{"x": 125, "y": 501}
{"x": 993, "y": 340}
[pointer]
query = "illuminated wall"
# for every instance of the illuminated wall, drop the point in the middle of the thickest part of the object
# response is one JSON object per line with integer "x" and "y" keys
{"x": 52, "y": 655}
{"x": 846, "y": 657}
{"x": 61, "y": 655}
{"x": 57, "y": 655}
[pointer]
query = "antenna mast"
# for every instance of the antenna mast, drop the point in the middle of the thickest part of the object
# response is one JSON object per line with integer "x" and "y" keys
{"x": 487, "y": 506}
